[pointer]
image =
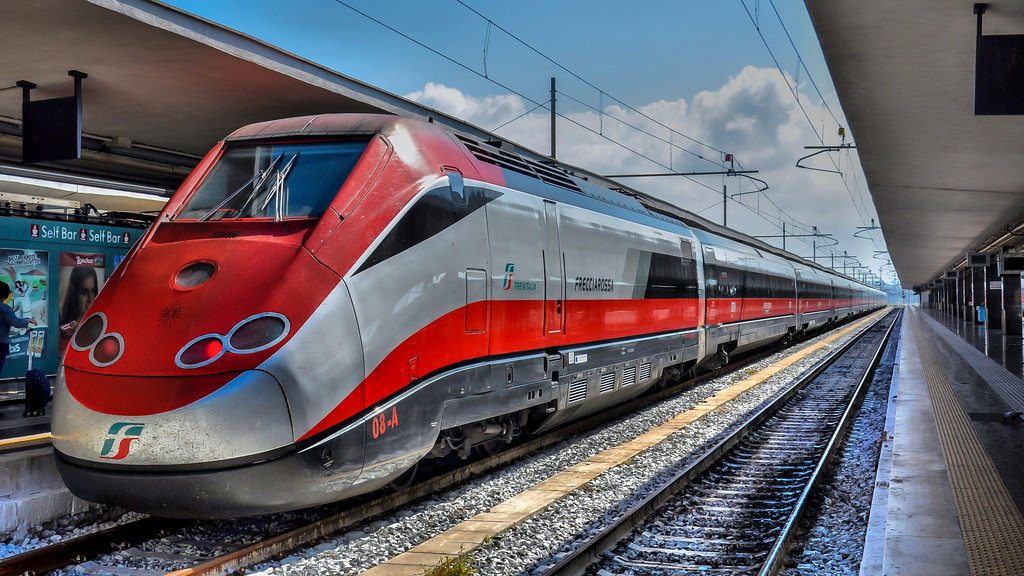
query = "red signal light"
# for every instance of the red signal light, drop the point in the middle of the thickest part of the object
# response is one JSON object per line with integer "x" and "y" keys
{"x": 107, "y": 350}
{"x": 201, "y": 352}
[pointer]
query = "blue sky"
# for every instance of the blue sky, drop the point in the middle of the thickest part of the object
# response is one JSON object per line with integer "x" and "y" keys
{"x": 696, "y": 66}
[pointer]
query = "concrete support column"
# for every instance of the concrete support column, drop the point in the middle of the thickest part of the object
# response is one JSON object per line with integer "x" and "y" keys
{"x": 978, "y": 288}
{"x": 1011, "y": 306}
{"x": 957, "y": 284}
{"x": 994, "y": 297}
{"x": 968, "y": 295}
{"x": 963, "y": 286}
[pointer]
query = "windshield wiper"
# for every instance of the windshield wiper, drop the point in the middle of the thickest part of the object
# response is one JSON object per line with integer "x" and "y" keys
{"x": 259, "y": 177}
{"x": 277, "y": 190}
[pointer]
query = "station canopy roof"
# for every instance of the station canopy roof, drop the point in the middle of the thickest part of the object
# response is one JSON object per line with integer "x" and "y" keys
{"x": 944, "y": 181}
{"x": 163, "y": 87}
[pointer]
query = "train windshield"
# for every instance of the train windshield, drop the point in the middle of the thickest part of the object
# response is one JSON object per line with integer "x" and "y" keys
{"x": 273, "y": 180}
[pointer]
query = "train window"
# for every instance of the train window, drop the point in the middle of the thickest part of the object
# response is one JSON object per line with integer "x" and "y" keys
{"x": 273, "y": 180}
{"x": 783, "y": 287}
{"x": 671, "y": 277}
{"x": 724, "y": 282}
{"x": 432, "y": 214}
{"x": 757, "y": 285}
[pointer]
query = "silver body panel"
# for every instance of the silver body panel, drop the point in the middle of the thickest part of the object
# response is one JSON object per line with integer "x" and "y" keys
{"x": 322, "y": 363}
{"x": 247, "y": 416}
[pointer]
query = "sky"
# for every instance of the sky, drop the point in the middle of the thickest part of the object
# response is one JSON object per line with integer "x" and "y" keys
{"x": 646, "y": 86}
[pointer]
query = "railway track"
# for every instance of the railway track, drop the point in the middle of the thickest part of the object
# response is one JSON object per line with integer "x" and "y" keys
{"x": 155, "y": 546}
{"x": 735, "y": 509}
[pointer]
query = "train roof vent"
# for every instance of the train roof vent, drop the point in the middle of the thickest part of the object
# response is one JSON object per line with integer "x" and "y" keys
{"x": 512, "y": 161}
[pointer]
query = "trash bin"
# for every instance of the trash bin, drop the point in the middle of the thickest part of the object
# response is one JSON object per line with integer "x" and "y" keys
{"x": 981, "y": 314}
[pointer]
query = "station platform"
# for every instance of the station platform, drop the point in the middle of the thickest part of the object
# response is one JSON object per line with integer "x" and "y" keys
{"x": 950, "y": 487}
{"x": 14, "y": 425}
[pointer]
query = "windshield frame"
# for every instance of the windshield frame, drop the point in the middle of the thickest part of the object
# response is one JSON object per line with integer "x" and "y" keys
{"x": 265, "y": 189}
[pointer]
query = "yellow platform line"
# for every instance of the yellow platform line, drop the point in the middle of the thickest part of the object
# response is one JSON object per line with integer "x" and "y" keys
{"x": 991, "y": 525}
{"x": 29, "y": 440}
{"x": 470, "y": 534}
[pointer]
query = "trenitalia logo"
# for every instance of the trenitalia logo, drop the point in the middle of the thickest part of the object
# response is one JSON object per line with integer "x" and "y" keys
{"x": 120, "y": 437}
{"x": 510, "y": 284}
{"x": 509, "y": 269}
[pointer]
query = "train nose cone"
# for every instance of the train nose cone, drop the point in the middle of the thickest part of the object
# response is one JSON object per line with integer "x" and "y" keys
{"x": 246, "y": 418}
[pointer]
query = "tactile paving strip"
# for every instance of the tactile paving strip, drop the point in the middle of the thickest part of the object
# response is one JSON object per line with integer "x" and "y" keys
{"x": 470, "y": 534}
{"x": 998, "y": 378}
{"x": 992, "y": 528}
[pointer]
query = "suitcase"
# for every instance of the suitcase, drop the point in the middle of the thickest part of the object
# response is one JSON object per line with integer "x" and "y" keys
{"x": 37, "y": 390}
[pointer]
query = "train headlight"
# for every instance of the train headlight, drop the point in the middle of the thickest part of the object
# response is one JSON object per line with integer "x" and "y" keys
{"x": 257, "y": 333}
{"x": 107, "y": 350}
{"x": 89, "y": 332}
{"x": 200, "y": 352}
{"x": 194, "y": 275}
{"x": 104, "y": 347}
{"x": 253, "y": 334}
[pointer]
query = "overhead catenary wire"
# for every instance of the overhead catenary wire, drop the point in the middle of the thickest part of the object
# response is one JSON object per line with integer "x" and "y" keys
{"x": 796, "y": 97}
{"x": 438, "y": 52}
{"x": 637, "y": 128}
{"x": 503, "y": 86}
{"x": 508, "y": 88}
{"x": 627, "y": 148}
{"x": 583, "y": 80}
{"x": 801, "y": 61}
{"x": 537, "y": 105}
{"x": 862, "y": 209}
{"x": 602, "y": 113}
{"x": 528, "y": 112}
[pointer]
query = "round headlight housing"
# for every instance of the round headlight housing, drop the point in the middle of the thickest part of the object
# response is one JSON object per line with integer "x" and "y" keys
{"x": 253, "y": 334}
{"x": 200, "y": 352}
{"x": 194, "y": 275}
{"x": 89, "y": 332}
{"x": 107, "y": 350}
{"x": 257, "y": 333}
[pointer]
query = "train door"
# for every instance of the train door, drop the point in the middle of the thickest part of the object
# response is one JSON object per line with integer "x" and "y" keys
{"x": 711, "y": 294}
{"x": 554, "y": 287}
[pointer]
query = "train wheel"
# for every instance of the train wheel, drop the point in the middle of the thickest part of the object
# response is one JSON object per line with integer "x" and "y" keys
{"x": 490, "y": 447}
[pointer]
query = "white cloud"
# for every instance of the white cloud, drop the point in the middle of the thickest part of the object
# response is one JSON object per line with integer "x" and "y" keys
{"x": 753, "y": 116}
{"x": 488, "y": 112}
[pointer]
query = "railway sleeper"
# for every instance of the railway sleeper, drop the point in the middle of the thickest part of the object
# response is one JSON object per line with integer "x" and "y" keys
{"x": 749, "y": 502}
{"x": 724, "y": 494}
{"x": 698, "y": 558}
{"x": 710, "y": 543}
{"x": 739, "y": 511}
{"x": 656, "y": 567}
{"x": 695, "y": 547}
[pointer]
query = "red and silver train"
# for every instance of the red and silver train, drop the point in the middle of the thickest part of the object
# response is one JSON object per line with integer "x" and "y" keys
{"x": 327, "y": 300}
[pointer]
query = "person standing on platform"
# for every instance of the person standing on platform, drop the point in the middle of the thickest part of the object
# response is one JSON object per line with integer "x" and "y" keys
{"x": 8, "y": 320}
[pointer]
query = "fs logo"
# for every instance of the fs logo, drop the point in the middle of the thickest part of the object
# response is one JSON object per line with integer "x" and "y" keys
{"x": 509, "y": 269}
{"x": 120, "y": 436}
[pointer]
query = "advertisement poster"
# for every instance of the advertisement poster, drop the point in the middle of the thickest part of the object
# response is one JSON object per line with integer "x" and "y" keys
{"x": 81, "y": 277}
{"x": 26, "y": 272}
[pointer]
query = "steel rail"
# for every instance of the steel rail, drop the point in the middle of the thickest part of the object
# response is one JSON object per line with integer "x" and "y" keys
{"x": 89, "y": 546}
{"x": 263, "y": 550}
{"x": 774, "y": 562}
{"x": 577, "y": 561}
{"x": 77, "y": 550}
